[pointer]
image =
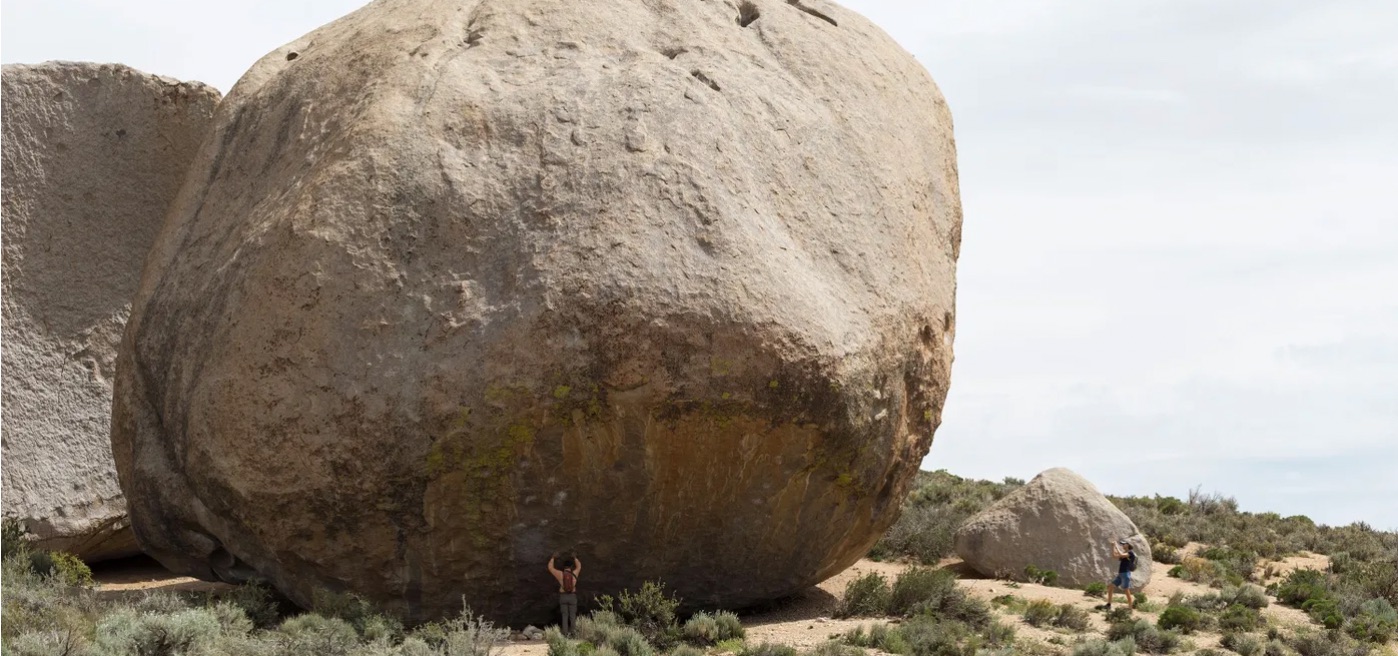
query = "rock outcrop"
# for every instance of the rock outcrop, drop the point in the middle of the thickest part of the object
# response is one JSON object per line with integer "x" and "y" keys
{"x": 459, "y": 284}
{"x": 1058, "y": 521}
{"x": 93, "y": 156}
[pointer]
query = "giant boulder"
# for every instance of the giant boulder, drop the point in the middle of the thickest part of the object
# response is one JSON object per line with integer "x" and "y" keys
{"x": 1058, "y": 521}
{"x": 93, "y": 156}
{"x": 459, "y": 283}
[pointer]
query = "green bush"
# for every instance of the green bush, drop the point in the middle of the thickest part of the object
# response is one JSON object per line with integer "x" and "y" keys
{"x": 920, "y": 588}
{"x": 1073, "y": 618}
{"x": 729, "y": 626}
{"x": 1248, "y": 595}
{"x": 866, "y": 596}
{"x": 559, "y": 644}
{"x": 1099, "y": 647}
{"x": 1041, "y": 576}
{"x": 768, "y": 649}
{"x": 1242, "y": 643}
{"x": 1303, "y": 585}
{"x": 1376, "y": 622}
{"x": 1325, "y": 610}
{"x": 650, "y": 610}
{"x": 1240, "y": 618}
{"x": 71, "y": 570}
{"x": 1096, "y": 589}
{"x": 832, "y": 648}
{"x": 1147, "y": 638}
{"x": 701, "y": 629}
{"x": 1118, "y": 615}
{"x": 1040, "y": 612}
{"x": 1184, "y": 618}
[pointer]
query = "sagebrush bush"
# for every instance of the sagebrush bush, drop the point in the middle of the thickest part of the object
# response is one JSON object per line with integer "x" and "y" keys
{"x": 729, "y": 626}
{"x": 866, "y": 596}
{"x": 1100, "y": 647}
{"x": 1248, "y": 595}
{"x": 1242, "y": 643}
{"x": 1240, "y": 618}
{"x": 1095, "y": 589}
{"x": 1146, "y": 637}
{"x": 1073, "y": 618}
{"x": 1375, "y": 621}
{"x": 650, "y": 610}
{"x": 1184, "y": 618}
{"x": 833, "y": 648}
{"x": 1041, "y": 576}
{"x": 1040, "y": 612}
{"x": 768, "y": 649}
{"x": 920, "y": 588}
{"x": 701, "y": 629}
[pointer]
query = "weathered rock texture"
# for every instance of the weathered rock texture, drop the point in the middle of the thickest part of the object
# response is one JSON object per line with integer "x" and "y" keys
{"x": 459, "y": 283}
{"x": 93, "y": 156}
{"x": 1057, "y": 521}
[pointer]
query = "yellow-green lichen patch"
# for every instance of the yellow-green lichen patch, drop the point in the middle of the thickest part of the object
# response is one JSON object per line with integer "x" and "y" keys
{"x": 561, "y": 392}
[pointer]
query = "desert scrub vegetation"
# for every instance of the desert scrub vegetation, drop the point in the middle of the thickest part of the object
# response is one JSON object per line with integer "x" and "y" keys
{"x": 1360, "y": 607}
{"x": 938, "y": 504}
{"x": 866, "y": 596}
{"x": 51, "y": 608}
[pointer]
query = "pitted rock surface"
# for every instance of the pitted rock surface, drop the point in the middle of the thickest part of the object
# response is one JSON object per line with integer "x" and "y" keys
{"x": 93, "y": 155}
{"x": 462, "y": 283}
{"x": 1058, "y": 521}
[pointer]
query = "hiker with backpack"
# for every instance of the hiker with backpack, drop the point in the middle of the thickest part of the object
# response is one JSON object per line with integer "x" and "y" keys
{"x": 567, "y": 591}
{"x": 1125, "y": 554}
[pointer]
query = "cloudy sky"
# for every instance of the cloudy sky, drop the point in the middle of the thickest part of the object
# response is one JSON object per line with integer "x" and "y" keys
{"x": 1180, "y": 264}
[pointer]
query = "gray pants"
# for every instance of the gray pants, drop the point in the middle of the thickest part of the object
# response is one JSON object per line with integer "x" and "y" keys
{"x": 568, "y": 607}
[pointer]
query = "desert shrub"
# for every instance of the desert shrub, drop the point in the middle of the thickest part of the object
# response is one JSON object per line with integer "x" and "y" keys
{"x": 597, "y": 628}
{"x": 962, "y": 607}
{"x": 559, "y": 644}
{"x": 920, "y": 588}
{"x": 1240, "y": 618}
{"x": 1315, "y": 643}
{"x": 1248, "y": 595}
{"x": 1161, "y": 552}
{"x": 927, "y": 637}
{"x": 1276, "y": 648}
{"x": 630, "y": 642}
{"x": 313, "y": 633}
{"x": 126, "y": 632}
{"x": 1184, "y": 618}
{"x": 1040, "y": 612}
{"x": 1072, "y": 617}
{"x": 1096, "y": 589}
{"x": 730, "y": 647}
{"x": 1242, "y": 643}
{"x": 729, "y": 626}
{"x": 701, "y": 629}
{"x": 866, "y": 596}
{"x": 1147, "y": 638}
{"x": 1010, "y": 603}
{"x": 1376, "y": 621}
{"x": 1041, "y": 576}
{"x": 650, "y": 610}
{"x": 468, "y": 634}
{"x": 1238, "y": 564}
{"x": 1324, "y": 610}
{"x": 832, "y": 648}
{"x": 1205, "y": 571}
{"x": 71, "y": 570}
{"x": 768, "y": 649}
{"x": 1099, "y": 647}
{"x": 1301, "y": 586}
{"x": 256, "y": 600}
{"x": 1118, "y": 615}
{"x": 358, "y": 612}
{"x": 937, "y": 506}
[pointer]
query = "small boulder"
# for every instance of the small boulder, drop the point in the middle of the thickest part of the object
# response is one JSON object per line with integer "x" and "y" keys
{"x": 94, "y": 153}
{"x": 1059, "y": 521}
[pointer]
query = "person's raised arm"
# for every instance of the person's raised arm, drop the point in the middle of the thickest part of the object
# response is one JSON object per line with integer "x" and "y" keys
{"x": 554, "y": 570}
{"x": 577, "y": 566}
